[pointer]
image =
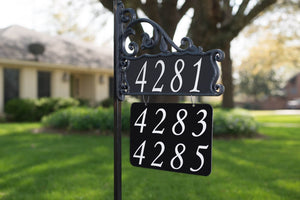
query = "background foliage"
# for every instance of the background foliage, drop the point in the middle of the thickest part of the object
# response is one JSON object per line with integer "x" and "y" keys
{"x": 87, "y": 118}
{"x": 226, "y": 122}
{"x": 35, "y": 109}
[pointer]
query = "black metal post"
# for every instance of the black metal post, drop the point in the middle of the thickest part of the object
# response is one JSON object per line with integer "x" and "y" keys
{"x": 117, "y": 151}
{"x": 117, "y": 110}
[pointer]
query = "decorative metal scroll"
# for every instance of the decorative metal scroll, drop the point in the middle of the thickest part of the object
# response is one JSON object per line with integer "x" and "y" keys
{"x": 188, "y": 71}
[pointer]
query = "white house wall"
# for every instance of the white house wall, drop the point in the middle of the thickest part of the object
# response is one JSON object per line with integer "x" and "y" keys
{"x": 87, "y": 87}
{"x": 59, "y": 86}
{"x": 93, "y": 87}
{"x": 101, "y": 88}
{"x": 28, "y": 83}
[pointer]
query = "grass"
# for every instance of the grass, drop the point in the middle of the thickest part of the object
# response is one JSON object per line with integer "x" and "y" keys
{"x": 54, "y": 166}
{"x": 279, "y": 119}
{"x": 271, "y": 118}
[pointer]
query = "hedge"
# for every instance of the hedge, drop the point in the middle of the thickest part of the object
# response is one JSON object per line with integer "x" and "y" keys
{"x": 87, "y": 118}
{"x": 34, "y": 109}
{"x": 234, "y": 122}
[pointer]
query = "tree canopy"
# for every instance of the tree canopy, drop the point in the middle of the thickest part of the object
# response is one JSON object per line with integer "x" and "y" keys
{"x": 268, "y": 66}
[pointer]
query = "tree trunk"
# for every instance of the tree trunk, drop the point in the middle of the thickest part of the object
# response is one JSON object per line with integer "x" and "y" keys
{"x": 227, "y": 78}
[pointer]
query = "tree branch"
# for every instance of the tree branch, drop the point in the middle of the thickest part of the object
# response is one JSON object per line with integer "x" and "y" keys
{"x": 169, "y": 22}
{"x": 239, "y": 22}
{"x": 185, "y": 7}
{"x": 242, "y": 8}
{"x": 227, "y": 13}
{"x": 108, "y": 4}
{"x": 227, "y": 7}
{"x": 151, "y": 10}
{"x": 257, "y": 10}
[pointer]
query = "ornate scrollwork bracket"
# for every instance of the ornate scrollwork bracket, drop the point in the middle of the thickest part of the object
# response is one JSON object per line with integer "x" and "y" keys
{"x": 128, "y": 49}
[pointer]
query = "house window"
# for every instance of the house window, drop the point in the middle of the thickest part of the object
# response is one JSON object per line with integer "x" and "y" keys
{"x": 11, "y": 84}
{"x": 44, "y": 84}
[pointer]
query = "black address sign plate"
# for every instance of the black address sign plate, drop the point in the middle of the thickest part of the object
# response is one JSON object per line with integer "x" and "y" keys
{"x": 174, "y": 74}
{"x": 171, "y": 137}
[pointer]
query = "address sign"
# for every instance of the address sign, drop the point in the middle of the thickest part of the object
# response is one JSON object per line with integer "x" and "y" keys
{"x": 171, "y": 137}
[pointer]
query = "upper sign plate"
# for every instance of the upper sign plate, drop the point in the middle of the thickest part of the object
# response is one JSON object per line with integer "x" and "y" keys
{"x": 174, "y": 74}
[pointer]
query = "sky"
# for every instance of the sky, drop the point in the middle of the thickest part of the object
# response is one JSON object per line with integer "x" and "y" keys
{"x": 28, "y": 13}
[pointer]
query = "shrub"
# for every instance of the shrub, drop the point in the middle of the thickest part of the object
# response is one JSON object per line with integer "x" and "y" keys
{"x": 87, "y": 118}
{"x": 226, "y": 122}
{"x": 35, "y": 109}
{"x": 21, "y": 110}
{"x": 84, "y": 102}
{"x": 2, "y": 119}
{"x": 106, "y": 103}
{"x": 236, "y": 122}
{"x": 58, "y": 119}
{"x": 106, "y": 117}
{"x": 65, "y": 103}
{"x": 74, "y": 118}
{"x": 83, "y": 119}
{"x": 126, "y": 116}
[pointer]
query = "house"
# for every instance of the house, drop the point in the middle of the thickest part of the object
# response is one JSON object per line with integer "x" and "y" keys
{"x": 34, "y": 65}
{"x": 292, "y": 91}
{"x": 290, "y": 98}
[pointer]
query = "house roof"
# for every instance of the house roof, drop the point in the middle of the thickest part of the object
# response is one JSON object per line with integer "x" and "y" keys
{"x": 14, "y": 42}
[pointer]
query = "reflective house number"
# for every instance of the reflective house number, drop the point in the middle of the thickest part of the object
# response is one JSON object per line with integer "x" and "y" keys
{"x": 176, "y": 80}
{"x": 172, "y": 137}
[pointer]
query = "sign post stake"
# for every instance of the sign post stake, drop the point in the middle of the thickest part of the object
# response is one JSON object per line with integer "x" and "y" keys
{"x": 117, "y": 110}
{"x": 117, "y": 151}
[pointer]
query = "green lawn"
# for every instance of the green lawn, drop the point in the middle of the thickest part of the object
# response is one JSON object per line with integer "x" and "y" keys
{"x": 270, "y": 118}
{"x": 65, "y": 167}
{"x": 273, "y": 117}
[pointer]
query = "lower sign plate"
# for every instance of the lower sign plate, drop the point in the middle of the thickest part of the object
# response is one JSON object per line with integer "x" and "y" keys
{"x": 171, "y": 137}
